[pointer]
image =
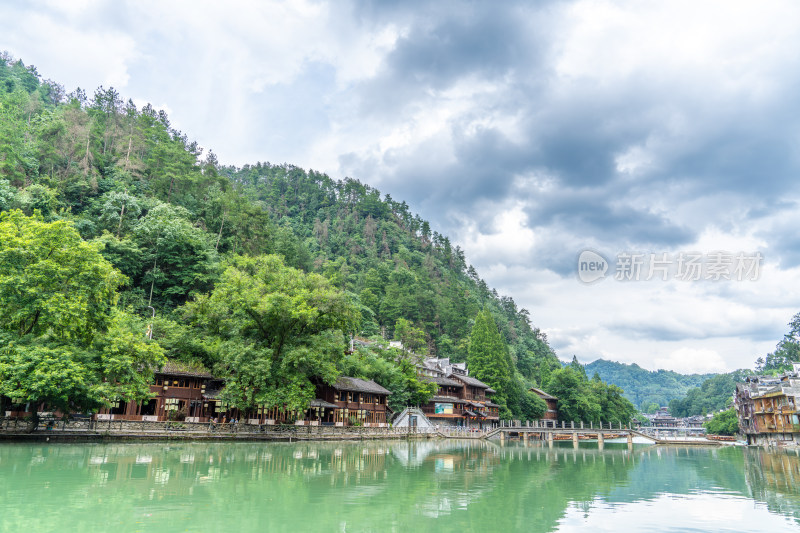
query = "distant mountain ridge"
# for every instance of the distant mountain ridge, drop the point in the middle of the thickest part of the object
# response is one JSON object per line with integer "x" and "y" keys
{"x": 646, "y": 387}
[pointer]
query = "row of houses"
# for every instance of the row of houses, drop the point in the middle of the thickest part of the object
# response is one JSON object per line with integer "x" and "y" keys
{"x": 192, "y": 394}
{"x": 184, "y": 392}
{"x": 768, "y": 408}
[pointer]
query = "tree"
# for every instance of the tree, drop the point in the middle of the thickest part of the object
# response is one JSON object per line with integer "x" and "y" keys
{"x": 273, "y": 331}
{"x": 179, "y": 258}
{"x": 412, "y": 338}
{"x": 66, "y": 346}
{"x": 724, "y": 423}
{"x": 575, "y": 400}
{"x": 488, "y": 358}
{"x": 786, "y": 352}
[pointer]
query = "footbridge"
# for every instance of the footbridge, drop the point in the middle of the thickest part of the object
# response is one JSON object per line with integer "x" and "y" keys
{"x": 550, "y": 430}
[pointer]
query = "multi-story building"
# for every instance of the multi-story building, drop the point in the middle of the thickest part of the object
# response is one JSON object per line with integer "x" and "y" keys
{"x": 768, "y": 408}
{"x": 461, "y": 400}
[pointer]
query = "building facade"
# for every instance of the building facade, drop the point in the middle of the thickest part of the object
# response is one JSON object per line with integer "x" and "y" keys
{"x": 461, "y": 400}
{"x": 551, "y": 401}
{"x": 767, "y": 407}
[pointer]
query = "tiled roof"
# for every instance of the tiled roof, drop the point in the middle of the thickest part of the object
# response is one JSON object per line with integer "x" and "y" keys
{"x": 358, "y": 385}
{"x": 491, "y": 391}
{"x": 542, "y": 394}
{"x": 491, "y": 404}
{"x": 470, "y": 381}
{"x": 443, "y": 381}
{"x": 177, "y": 368}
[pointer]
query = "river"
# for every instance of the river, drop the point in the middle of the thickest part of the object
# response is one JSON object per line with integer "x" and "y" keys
{"x": 417, "y": 486}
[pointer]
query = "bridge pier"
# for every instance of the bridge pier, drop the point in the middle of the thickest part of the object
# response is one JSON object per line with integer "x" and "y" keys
{"x": 575, "y": 440}
{"x": 600, "y": 442}
{"x": 630, "y": 439}
{"x": 550, "y": 438}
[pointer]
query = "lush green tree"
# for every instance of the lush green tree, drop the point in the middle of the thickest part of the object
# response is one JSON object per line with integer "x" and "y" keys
{"x": 51, "y": 281}
{"x": 179, "y": 257}
{"x": 575, "y": 402}
{"x": 786, "y": 352}
{"x": 488, "y": 357}
{"x": 66, "y": 347}
{"x": 273, "y": 331}
{"x": 412, "y": 338}
{"x": 715, "y": 394}
{"x": 723, "y": 423}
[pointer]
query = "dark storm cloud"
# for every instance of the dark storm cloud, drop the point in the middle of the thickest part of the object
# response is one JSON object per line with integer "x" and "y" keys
{"x": 475, "y": 40}
{"x": 599, "y": 214}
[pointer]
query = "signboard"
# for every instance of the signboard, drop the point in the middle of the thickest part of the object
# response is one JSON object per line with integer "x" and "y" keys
{"x": 443, "y": 409}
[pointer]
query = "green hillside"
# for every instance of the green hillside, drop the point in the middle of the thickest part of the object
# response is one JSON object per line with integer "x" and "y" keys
{"x": 259, "y": 273}
{"x": 647, "y": 389}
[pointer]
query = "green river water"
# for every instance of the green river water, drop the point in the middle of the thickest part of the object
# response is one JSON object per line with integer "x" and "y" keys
{"x": 413, "y": 486}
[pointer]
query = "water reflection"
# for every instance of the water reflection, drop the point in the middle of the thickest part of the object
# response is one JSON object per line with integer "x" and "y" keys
{"x": 440, "y": 485}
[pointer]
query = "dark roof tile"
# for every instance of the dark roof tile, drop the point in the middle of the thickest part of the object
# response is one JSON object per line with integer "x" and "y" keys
{"x": 358, "y": 385}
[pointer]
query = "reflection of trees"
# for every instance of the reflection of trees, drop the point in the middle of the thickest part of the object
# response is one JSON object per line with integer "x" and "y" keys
{"x": 773, "y": 478}
{"x": 465, "y": 486}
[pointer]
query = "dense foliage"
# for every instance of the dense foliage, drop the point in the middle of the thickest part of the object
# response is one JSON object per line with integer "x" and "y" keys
{"x": 582, "y": 399}
{"x": 724, "y": 423}
{"x": 65, "y": 345}
{"x": 786, "y": 352}
{"x": 715, "y": 394}
{"x": 648, "y": 390}
{"x": 490, "y": 361}
{"x": 222, "y": 255}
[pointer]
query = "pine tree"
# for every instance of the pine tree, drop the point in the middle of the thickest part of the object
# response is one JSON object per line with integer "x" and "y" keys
{"x": 488, "y": 356}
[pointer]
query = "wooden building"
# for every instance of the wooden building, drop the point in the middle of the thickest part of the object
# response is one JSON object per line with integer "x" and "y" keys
{"x": 356, "y": 402}
{"x": 551, "y": 401}
{"x": 179, "y": 394}
{"x": 462, "y": 401}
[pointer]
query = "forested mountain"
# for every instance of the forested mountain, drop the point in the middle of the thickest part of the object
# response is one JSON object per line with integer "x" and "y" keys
{"x": 715, "y": 394}
{"x": 306, "y": 259}
{"x": 648, "y": 390}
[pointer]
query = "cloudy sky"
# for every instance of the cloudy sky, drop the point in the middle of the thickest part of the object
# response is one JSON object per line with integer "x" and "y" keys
{"x": 528, "y": 132}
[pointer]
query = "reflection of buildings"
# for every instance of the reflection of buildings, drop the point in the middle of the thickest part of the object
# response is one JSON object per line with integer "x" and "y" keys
{"x": 773, "y": 478}
{"x": 768, "y": 408}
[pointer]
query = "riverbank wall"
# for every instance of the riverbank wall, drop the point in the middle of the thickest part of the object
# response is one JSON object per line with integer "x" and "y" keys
{"x": 124, "y": 430}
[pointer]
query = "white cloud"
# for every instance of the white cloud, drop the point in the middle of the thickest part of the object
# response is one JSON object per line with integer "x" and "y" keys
{"x": 693, "y": 361}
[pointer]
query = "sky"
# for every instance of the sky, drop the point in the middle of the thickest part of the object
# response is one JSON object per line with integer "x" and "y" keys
{"x": 659, "y": 136}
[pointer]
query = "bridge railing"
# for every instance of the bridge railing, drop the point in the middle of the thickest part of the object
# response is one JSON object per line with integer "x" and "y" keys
{"x": 562, "y": 424}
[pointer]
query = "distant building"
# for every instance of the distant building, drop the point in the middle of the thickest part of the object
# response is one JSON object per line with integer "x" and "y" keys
{"x": 551, "y": 401}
